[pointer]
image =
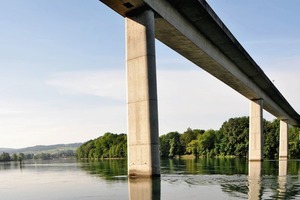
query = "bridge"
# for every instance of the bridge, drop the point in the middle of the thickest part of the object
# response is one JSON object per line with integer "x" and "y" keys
{"x": 192, "y": 29}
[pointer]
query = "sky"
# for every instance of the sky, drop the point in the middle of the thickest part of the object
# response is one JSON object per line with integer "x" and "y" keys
{"x": 62, "y": 70}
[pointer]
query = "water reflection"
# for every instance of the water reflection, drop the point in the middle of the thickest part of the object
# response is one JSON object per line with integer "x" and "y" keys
{"x": 108, "y": 169}
{"x": 5, "y": 165}
{"x": 273, "y": 180}
{"x": 254, "y": 180}
{"x": 180, "y": 179}
{"x": 144, "y": 189}
{"x": 11, "y": 165}
{"x": 225, "y": 166}
{"x": 282, "y": 179}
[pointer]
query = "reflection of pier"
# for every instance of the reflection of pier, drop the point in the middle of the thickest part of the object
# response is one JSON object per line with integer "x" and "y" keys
{"x": 282, "y": 179}
{"x": 254, "y": 180}
{"x": 144, "y": 189}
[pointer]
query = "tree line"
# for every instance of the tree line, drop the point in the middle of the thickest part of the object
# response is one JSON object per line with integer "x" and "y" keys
{"x": 109, "y": 145}
{"x": 4, "y": 157}
{"x": 232, "y": 139}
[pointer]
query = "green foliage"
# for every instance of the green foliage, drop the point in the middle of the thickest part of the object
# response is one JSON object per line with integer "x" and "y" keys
{"x": 231, "y": 140}
{"x": 188, "y": 136}
{"x": 294, "y": 144}
{"x": 271, "y": 139}
{"x": 207, "y": 143}
{"x": 235, "y": 134}
{"x": 4, "y": 157}
{"x": 50, "y": 156}
{"x": 43, "y": 156}
{"x": 176, "y": 144}
{"x": 107, "y": 146}
{"x": 21, "y": 157}
{"x": 14, "y": 157}
{"x": 170, "y": 145}
{"x": 193, "y": 148}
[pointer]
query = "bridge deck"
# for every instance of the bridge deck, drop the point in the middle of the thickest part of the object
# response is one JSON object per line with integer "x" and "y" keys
{"x": 193, "y": 30}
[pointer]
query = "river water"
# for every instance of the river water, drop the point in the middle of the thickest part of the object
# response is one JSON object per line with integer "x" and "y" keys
{"x": 181, "y": 179}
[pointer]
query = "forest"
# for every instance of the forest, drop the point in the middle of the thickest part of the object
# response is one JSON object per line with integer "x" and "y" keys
{"x": 109, "y": 145}
{"x": 5, "y": 157}
{"x": 39, "y": 152}
{"x": 230, "y": 140}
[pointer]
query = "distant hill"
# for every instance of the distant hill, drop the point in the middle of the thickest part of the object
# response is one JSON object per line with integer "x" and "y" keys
{"x": 43, "y": 148}
{"x": 6, "y": 150}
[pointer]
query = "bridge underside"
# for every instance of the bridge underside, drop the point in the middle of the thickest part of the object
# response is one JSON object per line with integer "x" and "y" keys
{"x": 193, "y": 30}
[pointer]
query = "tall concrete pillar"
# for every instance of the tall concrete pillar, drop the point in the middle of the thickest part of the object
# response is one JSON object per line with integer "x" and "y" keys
{"x": 256, "y": 130}
{"x": 143, "y": 140}
{"x": 283, "y": 140}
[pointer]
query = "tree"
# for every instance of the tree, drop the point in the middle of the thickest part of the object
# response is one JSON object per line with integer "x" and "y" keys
{"x": 15, "y": 157}
{"x": 164, "y": 146}
{"x": 207, "y": 142}
{"x": 175, "y": 145}
{"x": 109, "y": 145}
{"x": 188, "y": 136}
{"x": 294, "y": 142}
{"x": 170, "y": 144}
{"x": 193, "y": 148}
{"x": 21, "y": 156}
{"x": 235, "y": 134}
{"x": 271, "y": 138}
{"x": 5, "y": 157}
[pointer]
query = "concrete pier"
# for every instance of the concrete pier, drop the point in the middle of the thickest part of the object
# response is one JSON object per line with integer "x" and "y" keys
{"x": 283, "y": 140}
{"x": 256, "y": 130}
{"x": 192, "y": 29}
{"x": 143, "y": 139}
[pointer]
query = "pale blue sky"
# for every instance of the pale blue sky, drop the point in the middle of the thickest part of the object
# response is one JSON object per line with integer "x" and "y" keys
{"x": 62, "y": 69}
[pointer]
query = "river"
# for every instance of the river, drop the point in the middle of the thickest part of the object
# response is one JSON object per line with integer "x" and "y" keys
{"x": 181, "y": 179}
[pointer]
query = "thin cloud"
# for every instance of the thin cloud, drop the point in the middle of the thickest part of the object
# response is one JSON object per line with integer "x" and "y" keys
{"x": 101, "y": 83}
{"x": 196, "y": 99}
{"x": 287, "y": 82}
{"x": 190, "y": 98}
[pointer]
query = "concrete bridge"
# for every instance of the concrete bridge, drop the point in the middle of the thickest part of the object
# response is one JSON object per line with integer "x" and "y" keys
{"x": 192, "y": 29}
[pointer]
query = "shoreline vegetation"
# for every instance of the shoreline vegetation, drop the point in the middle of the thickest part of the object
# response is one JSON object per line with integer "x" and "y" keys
{"x": 40, "y": 152}
{"x": 6, "y": 157}
{"x": 230, "y": 141}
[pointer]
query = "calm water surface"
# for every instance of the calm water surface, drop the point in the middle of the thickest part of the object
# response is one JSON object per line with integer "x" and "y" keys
{"x": 181, "y": 179}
